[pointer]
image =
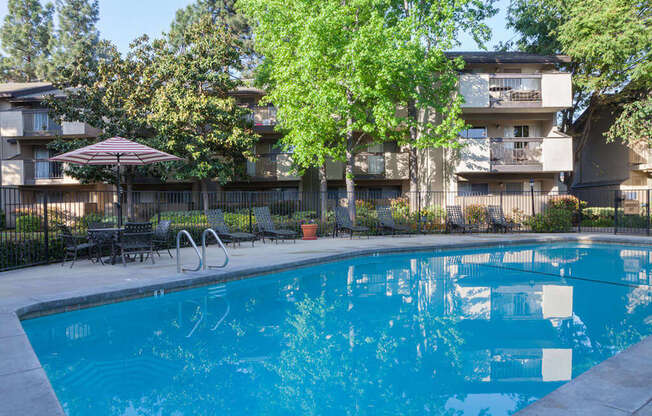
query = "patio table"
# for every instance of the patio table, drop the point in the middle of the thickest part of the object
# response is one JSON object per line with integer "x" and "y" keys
{"x": 103, "y": 236}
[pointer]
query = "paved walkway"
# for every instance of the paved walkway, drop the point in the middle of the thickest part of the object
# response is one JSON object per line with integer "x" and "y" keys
{"x": 25, "y": 389}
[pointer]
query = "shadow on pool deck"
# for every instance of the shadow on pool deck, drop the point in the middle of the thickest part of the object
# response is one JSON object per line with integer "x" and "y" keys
{"x": 619, "y": 386}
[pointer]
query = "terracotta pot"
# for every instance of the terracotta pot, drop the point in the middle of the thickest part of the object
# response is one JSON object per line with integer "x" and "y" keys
{"x": 309, "y": 231}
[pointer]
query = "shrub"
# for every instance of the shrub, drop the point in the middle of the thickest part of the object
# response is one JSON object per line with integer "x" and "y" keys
{"x": 29, "y": 223}
{"x": 283, "y": 207}
{"x": 554, "y": 220}
{"x": 3, "y": 222}
{"x": 476, "y": 214}
{"x": 567, "y": 202}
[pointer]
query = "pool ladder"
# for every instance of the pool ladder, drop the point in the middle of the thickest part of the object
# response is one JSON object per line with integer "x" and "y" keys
{"x": 202, "y": 263}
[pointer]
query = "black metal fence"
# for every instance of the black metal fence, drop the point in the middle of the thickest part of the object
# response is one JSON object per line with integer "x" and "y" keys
{"x": 30, "y": 219}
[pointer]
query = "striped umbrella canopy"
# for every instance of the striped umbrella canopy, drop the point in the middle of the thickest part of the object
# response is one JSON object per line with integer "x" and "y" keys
{"x": 115, "y": 151}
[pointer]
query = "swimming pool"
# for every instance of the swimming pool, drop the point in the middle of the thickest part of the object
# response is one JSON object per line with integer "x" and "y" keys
{"x": 468, "y": 331}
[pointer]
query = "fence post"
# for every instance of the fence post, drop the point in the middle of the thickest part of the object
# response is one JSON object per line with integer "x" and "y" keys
{"x": 46, "y": 234}
{"x": 158, "y": 206}
{"x": 647, "y": 208}
{"x": 250, "y": 212}
{"x": 419, "y": 210}
{"x": 616, "y": 212}
{"x": 532, "y": 197}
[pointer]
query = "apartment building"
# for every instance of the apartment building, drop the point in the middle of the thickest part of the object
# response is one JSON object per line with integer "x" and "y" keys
{"x": 607, "y": 166}
{"x": 511, "y": 104}
{"x": 25, "y": 130}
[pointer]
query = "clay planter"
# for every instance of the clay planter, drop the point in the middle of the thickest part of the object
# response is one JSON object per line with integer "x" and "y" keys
{"x": 309, "y": 231}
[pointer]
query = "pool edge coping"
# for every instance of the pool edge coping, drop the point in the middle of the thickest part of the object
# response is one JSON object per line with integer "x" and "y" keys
{"x": 562, "y": 400}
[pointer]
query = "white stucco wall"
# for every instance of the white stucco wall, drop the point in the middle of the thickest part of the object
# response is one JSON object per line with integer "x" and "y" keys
{"x": 557, "y": 154}
{"x": 73, "y": 128}
{"x": 475, "y": 90}
{"x": 474, "y": 156}
{"x": 13, "y": 173}
{"x": 11, "y": 123}
{"x": 556, "y": 90}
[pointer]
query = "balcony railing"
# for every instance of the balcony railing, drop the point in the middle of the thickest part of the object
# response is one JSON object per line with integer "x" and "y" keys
{"x": 263, "y": 168}
{"x": 516, "y": 151}
{"x": 369, "y": 165}
{"x": 517, "y": 89}
{"x": 44, "y": 169}
{"x": 39, "y": 123}
{"x": 264, "y": 116}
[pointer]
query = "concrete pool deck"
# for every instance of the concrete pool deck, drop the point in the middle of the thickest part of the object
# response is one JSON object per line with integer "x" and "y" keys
{"x": 621, "y": 385}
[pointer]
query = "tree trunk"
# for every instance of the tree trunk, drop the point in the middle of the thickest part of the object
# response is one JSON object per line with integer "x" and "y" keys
{"x": 130, "y": 194}
{"x": 323, "y": 193}
{"x": 348, "y": 172}
{"x": 413, "y": 157}
{"x": 204, "y": 195}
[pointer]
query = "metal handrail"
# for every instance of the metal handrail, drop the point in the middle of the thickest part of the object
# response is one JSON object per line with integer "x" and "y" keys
{"x": 192, "y": 242}
{"x": 203, "y": 249}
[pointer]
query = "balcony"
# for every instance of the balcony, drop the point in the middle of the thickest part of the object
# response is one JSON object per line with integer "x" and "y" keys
{"x": 516, "y": 155}
{"x": 272, "y": 167}
{"x": 34, "y": 172}
{"x": 516, "y": 92}
{"x": 39, "y": 123}
{"x": 383, "y": 165}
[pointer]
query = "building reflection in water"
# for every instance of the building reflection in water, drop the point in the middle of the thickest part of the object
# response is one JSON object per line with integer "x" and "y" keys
{"x": 468, "y": 327}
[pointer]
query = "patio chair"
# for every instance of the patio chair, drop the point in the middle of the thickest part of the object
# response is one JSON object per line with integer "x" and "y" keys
{"x": 343, "y": 222}
{"x": 386, "y": 221}
{"x": 73, "y": 245}
{"x": 161, "y": 238}
{"x": 137, "y": 239}
{"x": 217, "y": 223}
{"x": 266, "y": 226}
{"x": 455, "y": 220}
{"x": 497, "y": 220}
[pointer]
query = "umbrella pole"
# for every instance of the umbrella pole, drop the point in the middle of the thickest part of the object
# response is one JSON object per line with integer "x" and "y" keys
{"x": 117, "y": 182}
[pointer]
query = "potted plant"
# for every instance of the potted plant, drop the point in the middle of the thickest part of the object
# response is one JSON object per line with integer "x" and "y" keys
{"x": 309, "y": 229}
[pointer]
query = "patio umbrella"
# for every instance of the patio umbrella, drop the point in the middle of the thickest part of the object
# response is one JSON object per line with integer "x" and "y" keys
{"x": 115, "y": 151}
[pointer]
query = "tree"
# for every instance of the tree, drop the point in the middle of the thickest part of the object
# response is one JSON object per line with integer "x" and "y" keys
{"x": 537, "y": 22}
{"x": 77, "y": 38}
{"x": 192, "y": 109}
{"x": 611, "y": 41}
{"x": 421, "y": 78}
{"x": 25, "y": 36}
{"x": 222, "y": 13}
{"x": 337, "y": 72}
{"x": 112, "y": 96}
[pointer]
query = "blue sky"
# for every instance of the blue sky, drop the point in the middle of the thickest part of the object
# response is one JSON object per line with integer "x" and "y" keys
{"x": 123, "y": 20}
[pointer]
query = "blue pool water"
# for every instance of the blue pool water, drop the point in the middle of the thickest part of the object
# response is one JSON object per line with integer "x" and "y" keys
{"x": 469, "y": 332}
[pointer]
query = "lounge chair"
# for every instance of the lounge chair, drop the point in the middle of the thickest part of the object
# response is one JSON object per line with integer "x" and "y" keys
{"x": 386, "y": 221}
{"x": 217, "y": 223}
{"x": 497, "y": 220}
{"x": 137, "y": 239}
{"x": 455, "y": 220}
{"x": 74, "y": 244}
{"x": 343, "y": 223}
{"x": 161, "y": 238}
{"x": 266, "y": 226}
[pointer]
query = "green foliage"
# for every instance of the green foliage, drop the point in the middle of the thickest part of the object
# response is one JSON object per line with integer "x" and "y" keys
{"x": 634, "y": 124}
{"x": 29, "y": 223}
{"x": 3, "y": 220}
{"x": 553, "y": 220}
{"x": 567, "y": 202}
{"x": 77, "y": 38}
{"x": 476, "y": 214}
{"x": 25, "y": 36}
{"x": 192, "y": 109}
{"x": 222, "y": 13}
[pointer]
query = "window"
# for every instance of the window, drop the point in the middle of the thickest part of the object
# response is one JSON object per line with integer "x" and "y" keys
{"x": 376, "y": 165}
{"x": 514, "y": 187}
{"x": 375, "y": 148}
{"x": 474, "y": 133}
{"x": 521, "y": 131}
{"x": 467, "y": 188}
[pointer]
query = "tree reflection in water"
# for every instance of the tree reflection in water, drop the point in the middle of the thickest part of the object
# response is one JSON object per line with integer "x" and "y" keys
{"x": 470, "y": 332}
